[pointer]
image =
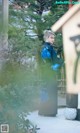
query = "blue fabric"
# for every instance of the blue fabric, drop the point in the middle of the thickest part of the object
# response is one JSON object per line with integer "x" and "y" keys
{"x": 45, "y": 53}
{"x": 55, "y": 67}
{"x": 48, "y": 52}
{"x": 44, "y": 96}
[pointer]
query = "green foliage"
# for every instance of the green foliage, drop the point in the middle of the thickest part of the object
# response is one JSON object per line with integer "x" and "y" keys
{"x": 19, "y": 84}
{"x": 35, "y": 10}
{"x": 26, "y": 126}
{"x": 32, "y": 18}
{"x": 18, "y": 92}
{"x": 20, "y": 44}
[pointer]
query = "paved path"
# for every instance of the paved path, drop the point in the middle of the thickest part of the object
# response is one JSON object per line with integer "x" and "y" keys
{"x": 56, "y": 124}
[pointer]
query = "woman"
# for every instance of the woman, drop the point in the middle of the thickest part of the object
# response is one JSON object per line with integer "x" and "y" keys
{"x": 49, "y": 65}
{"x": 48, "y": 51}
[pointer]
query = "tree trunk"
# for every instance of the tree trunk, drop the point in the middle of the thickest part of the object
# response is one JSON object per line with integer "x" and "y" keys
{"x": 4, "y": 32}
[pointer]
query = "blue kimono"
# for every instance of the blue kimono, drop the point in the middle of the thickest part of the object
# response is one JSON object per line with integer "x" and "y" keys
{"x": 48, "y": 52}
{"x": 49, "y": 89}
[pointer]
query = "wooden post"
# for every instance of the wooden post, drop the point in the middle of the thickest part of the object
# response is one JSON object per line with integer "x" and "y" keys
{"x": 4, "y": 32}
{"x": 70, "y": 5}
{"x": 5, "y": 14}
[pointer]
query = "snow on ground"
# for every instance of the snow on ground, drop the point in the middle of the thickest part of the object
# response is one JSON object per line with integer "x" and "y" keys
{"x": 56, "y": 124}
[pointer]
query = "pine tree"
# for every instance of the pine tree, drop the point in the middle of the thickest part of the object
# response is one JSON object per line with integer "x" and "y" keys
{"x": 35, "y": 10}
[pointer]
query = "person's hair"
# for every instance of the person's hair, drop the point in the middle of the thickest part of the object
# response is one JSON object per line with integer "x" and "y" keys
{"x": 47, "y": 33}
